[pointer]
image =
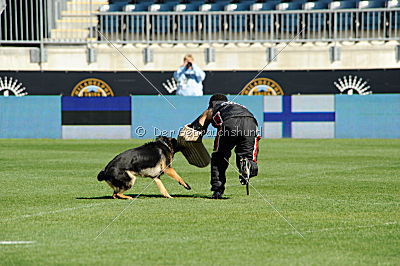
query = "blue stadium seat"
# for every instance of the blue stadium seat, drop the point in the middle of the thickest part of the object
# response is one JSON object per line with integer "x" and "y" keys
{"x": 393, "y": 17}
{"x": 190, "y": 7}
{"x": 188, "y": 23}
{"x": 316, "y": 21}
{"x": 111, "y": 23}
{"x": 242, "y": 6}
{"x": 218, "y": 6}
{"x": 290, "y": 6}
{"x": 238, "y": 23}
{"x": 136, "y": 23}
{"x": 344, "y": 20}
{"x": 162, "y": 23}
{"x": 316, "y": 5}
{"x": 263, "y": 22}
{"x": 343, "y": 4}
{"x": 264, "y": 6}
{"x": 140, "y": 7}
{"x": 290, "y": 22}
{"x": 393, "y": 3}
{"x": 163, "y": 7}
{"x": 125, "y": 2}
{"x": 369, "y": 19}
{"x": 212, "y": 22}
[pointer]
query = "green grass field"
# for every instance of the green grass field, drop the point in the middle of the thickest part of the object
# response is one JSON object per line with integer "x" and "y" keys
{"x": 343, "y": 196}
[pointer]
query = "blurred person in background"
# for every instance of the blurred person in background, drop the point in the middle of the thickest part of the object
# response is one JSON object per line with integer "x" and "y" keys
{"x": 190, "y": 78}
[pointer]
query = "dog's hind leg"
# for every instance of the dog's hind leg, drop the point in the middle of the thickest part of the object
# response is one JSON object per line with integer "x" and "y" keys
{"x": 172, "y": 173}
{"x": 161, "y": 187}
{"x": 118, "y": 194}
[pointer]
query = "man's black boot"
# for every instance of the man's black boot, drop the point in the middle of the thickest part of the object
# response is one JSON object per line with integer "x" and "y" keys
{"x": 217, "y": 195}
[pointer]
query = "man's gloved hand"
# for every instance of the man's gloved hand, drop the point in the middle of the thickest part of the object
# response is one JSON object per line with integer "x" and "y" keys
{"x": 247, "y": 169}
{"x": 196, "y": 125}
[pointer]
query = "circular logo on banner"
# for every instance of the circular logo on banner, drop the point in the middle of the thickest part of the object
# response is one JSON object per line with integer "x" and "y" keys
{"x": 8, "y": 87}
{"x": 262, "y": 86}
{"x": 92, "y": 88}
{"x": 352, "y": 85}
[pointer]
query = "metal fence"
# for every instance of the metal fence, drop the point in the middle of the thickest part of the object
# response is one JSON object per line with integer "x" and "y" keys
{"x": 48, "y": 21}
{"x": 249, "y": 27}
{"x": 80, "y": 22}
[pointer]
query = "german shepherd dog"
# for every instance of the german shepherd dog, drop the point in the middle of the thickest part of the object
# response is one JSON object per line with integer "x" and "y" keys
{"x": 149, "y": 160}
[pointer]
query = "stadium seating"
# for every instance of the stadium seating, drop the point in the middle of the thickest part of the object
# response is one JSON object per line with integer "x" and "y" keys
{"x": 112, "y": 23}
{"x": 370, "y": 19}
{"x": 343, "y": 21}
{"x": 253, "y": 5}
{"x": 188, "y": 23}
{"x": 137, "y": 23}
{"x": 238, "y": 23}
{"x": 161, "y": 23}
{"x": 263, "y": 22}
{"x": 316, "y": 21}
{"x": 279, "y": 21}
{"x": 213, "y": 22}
{"x": 290, "y": 22}
{"x": 393, "y": 17}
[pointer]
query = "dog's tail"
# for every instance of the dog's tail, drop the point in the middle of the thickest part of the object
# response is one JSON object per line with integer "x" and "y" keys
{"x": 102, "y": 175}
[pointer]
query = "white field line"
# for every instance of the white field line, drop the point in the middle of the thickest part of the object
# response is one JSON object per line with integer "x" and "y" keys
{"x": 199, "y": 237}
{"x": 345, "y": 228}
{"x": 52, "y": 212}
{"x": 16, "y": 242}
{"x": 330, "y": 229}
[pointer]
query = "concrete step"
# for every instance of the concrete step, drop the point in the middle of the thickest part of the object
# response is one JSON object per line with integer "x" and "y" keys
{"x": 85, "y": 5}
{"x": 76, "y": 23}
{"x": 75, "y": 13}
{"x": 67, "y": 34}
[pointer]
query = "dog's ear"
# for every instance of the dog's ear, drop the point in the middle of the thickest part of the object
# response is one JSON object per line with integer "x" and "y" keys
{"x": 175, "y": 145}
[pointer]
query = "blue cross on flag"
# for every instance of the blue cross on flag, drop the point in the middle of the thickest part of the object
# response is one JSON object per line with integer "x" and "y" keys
{"x": 299, "y": 116}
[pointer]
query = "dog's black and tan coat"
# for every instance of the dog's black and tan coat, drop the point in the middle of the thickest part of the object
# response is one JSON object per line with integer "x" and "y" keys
{"x": 149, "y": 160}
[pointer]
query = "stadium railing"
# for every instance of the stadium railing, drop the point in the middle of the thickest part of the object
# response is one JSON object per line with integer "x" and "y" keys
{"x": 251, "y": 26}
{"x": 59, "y": 21}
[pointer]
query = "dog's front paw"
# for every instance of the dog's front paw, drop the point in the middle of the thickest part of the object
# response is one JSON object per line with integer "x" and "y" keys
{"x": 187, "y": 186}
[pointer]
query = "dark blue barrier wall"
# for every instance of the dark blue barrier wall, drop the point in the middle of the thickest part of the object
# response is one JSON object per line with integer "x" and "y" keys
{"x": 30, "y": 117}
{"x": 156, "y": 115}
{"x": 371, "y": 116}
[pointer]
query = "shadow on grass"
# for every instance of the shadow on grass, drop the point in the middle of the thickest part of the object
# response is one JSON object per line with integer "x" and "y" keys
{"x": 150, "y": 196}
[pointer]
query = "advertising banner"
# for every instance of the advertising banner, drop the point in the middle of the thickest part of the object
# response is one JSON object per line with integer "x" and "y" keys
{"x": 100, "y": 84}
